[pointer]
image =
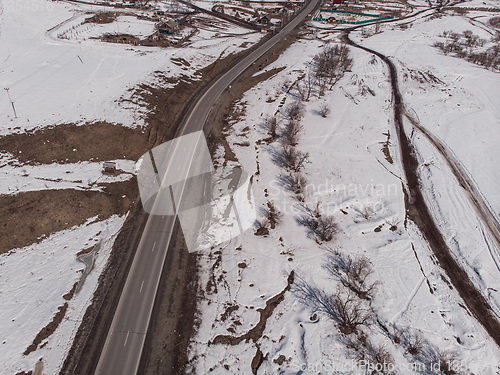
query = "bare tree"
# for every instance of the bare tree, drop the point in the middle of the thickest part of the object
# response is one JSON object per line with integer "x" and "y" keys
{"x": 327, "y": 228}
{"x": 293, "y": 159}
{"x": 295, "y": 111}
{"x": 449, "y": 362}
{"x": 332, "y": 63}
{"x": 377, "y": 356}
{"x": 262, "y": 227}
{"x": 273, "y": 214}
{"x": 323, "y": 227}
{"x": 343, "y": 307}
{"x": 297, "y": 184}
{"x": 305, "y": 86}
{"x": 324, "y": 110}
{"x": 353, "y": 273}
{"x": 290, "y": 134}
{"x": 271, "y": 123}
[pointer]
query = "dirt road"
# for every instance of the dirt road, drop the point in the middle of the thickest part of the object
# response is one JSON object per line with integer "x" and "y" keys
{"x": 418, "y": 211}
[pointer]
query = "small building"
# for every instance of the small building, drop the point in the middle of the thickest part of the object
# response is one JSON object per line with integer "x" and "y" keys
{"x": 167, "y": 27}
{"x": 338, "y": 1}
{"x": 264, "y": 20}
{"x": 109, "y": 167}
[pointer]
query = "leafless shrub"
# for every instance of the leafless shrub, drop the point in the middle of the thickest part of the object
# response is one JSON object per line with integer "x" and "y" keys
{"x": 449, "y": 362}
{"x": 324, "y": 110}
{"x": 271, "y": 123}
{"x": 293, "y": 159}
{"x": 353, "y": 273}
{"x": 323, "y": 227}
{"x": 412, "y": 341}
{"x": 295, "y": 111}
{"x": 290, "y": 134}
{"x": 367, "y": 212}
{"x": 415, "y": 343}
{"x": 305, "y": 86}
{"x": 464, "y": 45}
{"x": 332, "y": 63}
{"x": 297, "y": 184}
{"x": 326, "y": 229}
{"x": 375, "y": 357}
{"x": 273, "y": 215}
{"x": 427, "y": 356}
{"x": 262, "y": 227}
{"x": 343, "y": 307}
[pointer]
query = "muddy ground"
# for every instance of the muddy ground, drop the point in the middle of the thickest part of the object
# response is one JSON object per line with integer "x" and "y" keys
{"x": 70, "y": 143}
{"x": 31, "y": 216}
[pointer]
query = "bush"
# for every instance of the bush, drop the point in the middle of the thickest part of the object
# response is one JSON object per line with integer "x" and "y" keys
{"x": 324, "y": 228}
{"x": 297, "y": 184}
{"x": 290, "y": 134}
{"x": 344, "y": 308}
{"x": 293, "y": 159}
{"x": 271, "y": 124}
{"x": 332, "y": 63}
{"x": 353, "y": 273}
{"x": 273, "y": 215}
{"x": 295, "y": 111}
{"x": 324, "y": 110}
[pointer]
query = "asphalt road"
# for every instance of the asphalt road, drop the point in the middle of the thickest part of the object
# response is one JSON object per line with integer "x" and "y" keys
{"x": 122, "y": 350}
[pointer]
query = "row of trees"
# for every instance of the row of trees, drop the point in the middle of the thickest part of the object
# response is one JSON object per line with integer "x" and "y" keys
{"x": 327, "y": 68}
{"x": 350, "y": 308}
{"x": 465, "y": 46}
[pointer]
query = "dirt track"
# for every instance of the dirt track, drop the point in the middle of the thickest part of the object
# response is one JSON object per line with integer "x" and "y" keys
{"x": 418, "y": 211}
{"x": 477, "y": 200}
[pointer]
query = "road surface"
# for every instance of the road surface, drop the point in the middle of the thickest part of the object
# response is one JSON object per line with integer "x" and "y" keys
{"x": 122, "y": 350}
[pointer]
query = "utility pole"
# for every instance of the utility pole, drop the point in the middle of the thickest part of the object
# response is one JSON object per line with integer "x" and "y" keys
{"x": 11, "y": 102}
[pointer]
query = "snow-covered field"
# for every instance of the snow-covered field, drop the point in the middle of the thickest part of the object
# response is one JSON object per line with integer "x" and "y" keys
{"x": 57, "y": 74}
{"x": 462, "y": 112}
{"x": 352, "y": 179}
{"x": 33, "y": 281}
{"x": 50, "y": 85}
{"x": 81, "y": 176}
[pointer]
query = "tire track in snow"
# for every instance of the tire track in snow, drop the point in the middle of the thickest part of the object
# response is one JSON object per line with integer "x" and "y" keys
{"x": 418, "y": 209}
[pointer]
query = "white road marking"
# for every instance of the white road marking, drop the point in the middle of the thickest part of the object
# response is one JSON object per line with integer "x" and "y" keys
{"x": 126, "y": 338}
{"x": 142, "y": 284}
{"x": 153, "y": 247}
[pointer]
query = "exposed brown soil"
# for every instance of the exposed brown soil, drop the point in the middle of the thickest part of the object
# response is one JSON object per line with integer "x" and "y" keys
{"x": 49, "y": 329}
{"x": 70, "y": 143}
{"x": 68, "y": 296}
{"x": 256, "y": 332}
{"x": 495, "y": 22}
{"x": 102, "y": 18}
{"x": 120, "y": 38}
{"x": 30, "y": 216}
